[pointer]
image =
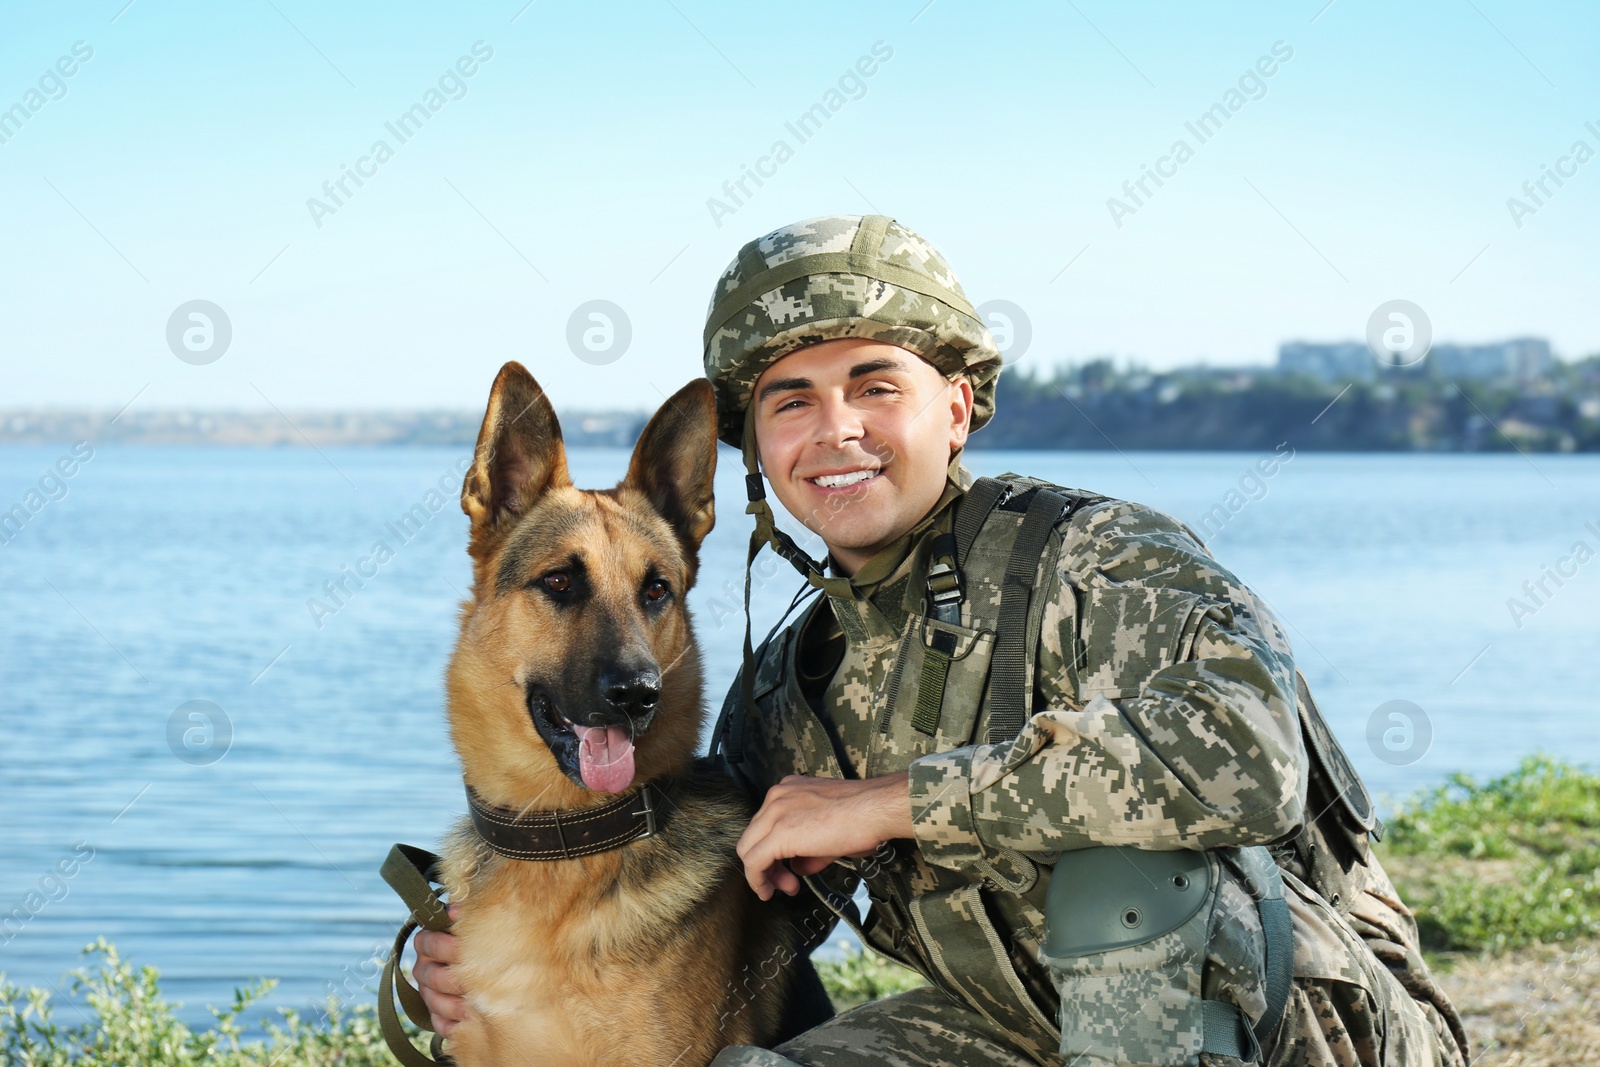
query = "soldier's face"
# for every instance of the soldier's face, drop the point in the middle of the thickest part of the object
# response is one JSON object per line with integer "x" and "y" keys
{"x": 855, "y": 437}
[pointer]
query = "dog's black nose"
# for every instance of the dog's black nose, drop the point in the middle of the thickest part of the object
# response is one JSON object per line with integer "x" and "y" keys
{"x": 631, "y": 690}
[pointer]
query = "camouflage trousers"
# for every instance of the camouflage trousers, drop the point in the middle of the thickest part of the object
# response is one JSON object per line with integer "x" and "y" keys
{"x": 1332, "y": 1021}
{"x": 925, "y": 1027}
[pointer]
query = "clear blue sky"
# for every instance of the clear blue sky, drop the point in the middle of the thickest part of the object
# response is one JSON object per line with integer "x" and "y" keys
{"x": 177, "y": 164}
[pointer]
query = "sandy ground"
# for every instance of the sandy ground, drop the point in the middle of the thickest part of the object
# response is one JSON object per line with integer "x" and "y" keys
{"x": 1538, "y": 1007}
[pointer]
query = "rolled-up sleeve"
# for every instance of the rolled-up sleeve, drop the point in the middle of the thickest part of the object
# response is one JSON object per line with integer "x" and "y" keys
{"x": 1168, "y": 715}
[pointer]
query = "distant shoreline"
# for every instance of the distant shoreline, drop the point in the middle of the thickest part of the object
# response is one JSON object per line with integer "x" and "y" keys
{"x": 621, "y": 430}
{"x": 294, "y": 429}
{"x": 1092, "y": 408}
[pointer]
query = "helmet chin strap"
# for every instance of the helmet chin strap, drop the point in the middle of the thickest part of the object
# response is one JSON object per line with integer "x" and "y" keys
{"x": 766, "y": 533}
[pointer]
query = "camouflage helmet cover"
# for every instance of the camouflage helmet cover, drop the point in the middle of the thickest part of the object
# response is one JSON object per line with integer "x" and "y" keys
{"x": 840, "y": 276}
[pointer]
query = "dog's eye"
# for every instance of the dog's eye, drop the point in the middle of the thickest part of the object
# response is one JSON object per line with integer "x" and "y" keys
{"x": 656, "y": 590}
{"x": 557, "y": 581}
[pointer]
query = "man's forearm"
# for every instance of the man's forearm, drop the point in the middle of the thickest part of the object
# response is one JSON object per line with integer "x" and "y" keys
{"x": 894, "y": 817}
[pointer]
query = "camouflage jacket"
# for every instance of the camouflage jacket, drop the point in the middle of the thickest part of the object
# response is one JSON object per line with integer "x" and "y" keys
{"x": 1163, "y": 717}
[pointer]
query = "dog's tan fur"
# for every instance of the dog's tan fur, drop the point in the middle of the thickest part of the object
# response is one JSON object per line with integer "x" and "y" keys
{"x": 643, "y": 954}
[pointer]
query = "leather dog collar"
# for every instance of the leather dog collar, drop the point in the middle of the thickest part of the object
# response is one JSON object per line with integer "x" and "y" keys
{"x": 558, "y": 835}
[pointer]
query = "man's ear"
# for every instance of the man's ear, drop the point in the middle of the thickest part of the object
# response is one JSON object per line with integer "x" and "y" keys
{"x": 519, "y": 456}
{"x": 675, "y": 462}
{"x": 961, "y": 401}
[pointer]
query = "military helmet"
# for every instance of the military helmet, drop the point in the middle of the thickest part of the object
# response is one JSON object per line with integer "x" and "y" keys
{"x": 840, "y": 276}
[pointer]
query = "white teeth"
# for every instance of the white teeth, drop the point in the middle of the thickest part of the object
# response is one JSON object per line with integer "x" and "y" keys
{"x": 834, "y": 481}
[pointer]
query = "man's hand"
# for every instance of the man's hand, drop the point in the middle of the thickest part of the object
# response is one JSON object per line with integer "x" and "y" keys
{"x": 814, "y": 821}
{"x": 446, "y": 999}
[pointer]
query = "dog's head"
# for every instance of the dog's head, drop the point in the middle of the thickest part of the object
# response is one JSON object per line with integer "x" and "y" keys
{"x": 576, "y": 667}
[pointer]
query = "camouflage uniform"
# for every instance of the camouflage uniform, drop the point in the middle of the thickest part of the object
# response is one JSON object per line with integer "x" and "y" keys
{"x": 1163, "y": 716}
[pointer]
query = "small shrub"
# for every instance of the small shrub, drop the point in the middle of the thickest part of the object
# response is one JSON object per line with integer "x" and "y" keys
{"x": 132, "y": 1024}
{"x": 860, "y": 977}
{"x": 1512, "y": 862}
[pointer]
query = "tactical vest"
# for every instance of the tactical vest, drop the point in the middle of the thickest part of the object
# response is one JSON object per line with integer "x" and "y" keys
{"x": 964, "y": 673}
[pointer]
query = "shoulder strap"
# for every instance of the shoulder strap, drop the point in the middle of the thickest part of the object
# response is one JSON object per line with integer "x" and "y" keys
{"x": 1044, "y": 506}
{"x": 972, "y": 511}
{"x": 1009, "y": 703}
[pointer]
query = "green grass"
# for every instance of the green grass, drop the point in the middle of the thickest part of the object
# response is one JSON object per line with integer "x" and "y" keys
{"x": 1496, "y": 866}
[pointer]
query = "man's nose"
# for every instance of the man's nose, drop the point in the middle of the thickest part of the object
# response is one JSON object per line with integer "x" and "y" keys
{"x": 839, "y": 423}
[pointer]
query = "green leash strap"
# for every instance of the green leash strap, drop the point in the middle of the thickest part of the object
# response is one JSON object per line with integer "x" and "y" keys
{"x": 410, "y": 872}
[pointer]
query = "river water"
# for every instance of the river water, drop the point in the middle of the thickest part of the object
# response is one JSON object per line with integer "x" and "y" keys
{"x": 156, "y": 576}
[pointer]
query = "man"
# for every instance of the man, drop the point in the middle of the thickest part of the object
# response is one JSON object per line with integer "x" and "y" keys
{"x": 1003, "y": 688}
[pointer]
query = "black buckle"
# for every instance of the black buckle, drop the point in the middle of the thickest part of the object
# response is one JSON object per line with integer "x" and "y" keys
{"x": 944, "y": 583}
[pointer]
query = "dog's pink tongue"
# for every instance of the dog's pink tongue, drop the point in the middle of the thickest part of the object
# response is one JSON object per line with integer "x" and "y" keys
{"x": 605, "y": 757}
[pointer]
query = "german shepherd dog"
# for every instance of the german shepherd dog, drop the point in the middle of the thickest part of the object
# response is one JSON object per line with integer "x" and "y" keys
{"x": 576, "y": 681}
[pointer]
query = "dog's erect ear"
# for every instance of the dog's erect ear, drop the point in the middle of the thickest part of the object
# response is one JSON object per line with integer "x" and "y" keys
{"x": 519, "y": 456}
{"x": 675, "y": 462}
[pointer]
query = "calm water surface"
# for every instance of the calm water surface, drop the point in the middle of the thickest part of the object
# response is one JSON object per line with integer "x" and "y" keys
{"x": 169, "y": 575}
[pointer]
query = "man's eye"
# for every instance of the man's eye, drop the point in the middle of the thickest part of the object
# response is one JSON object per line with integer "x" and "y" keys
{"x": 656, "y": 590}
{"x": 557, "y": 581}
{"x": 786, "y": 405}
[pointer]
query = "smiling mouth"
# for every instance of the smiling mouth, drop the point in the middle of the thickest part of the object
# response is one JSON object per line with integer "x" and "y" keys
{"x": 839, "y": 481}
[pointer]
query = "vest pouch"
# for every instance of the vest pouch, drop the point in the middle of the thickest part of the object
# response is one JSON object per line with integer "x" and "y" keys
{"x": 1333, "y": 845}
{"x": 942, "y": 679}
{"x": 1127, "y": 933}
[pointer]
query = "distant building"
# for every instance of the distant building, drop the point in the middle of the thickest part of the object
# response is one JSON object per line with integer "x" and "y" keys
{"x": 1524, "y": 358}
{"x": 1327, "y": 363}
